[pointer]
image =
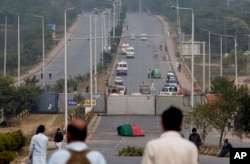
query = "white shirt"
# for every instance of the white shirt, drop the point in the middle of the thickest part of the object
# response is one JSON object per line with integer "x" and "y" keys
{"x": 170, "y": 148}
{"x": 62, "y": 156}
{"x": 38, "y": 148}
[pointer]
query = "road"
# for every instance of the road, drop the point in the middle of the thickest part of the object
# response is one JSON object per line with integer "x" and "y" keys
{"x": 106, "y": 140}
{"x": 144, "y": 58}
{"x": 78, "y": 52}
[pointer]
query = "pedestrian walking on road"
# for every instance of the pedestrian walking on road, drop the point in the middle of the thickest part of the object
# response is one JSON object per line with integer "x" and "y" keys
{"x": 58, "y": 138}
{"x": 76, "y": 151}
{"x": 171, "y": 147}
{"x": 38, "y": 146}
{"x": 195, "y": 138}
{"x": 50, "y": 74}
{"x": 152, "y": 86}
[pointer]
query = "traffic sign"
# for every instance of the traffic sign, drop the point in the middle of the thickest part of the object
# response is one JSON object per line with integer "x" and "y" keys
{"x": 87, "y": 102}
{"x": 72, "y": 103}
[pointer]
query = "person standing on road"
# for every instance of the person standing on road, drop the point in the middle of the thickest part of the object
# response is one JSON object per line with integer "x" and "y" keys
{"x": 149, "y": 73}
{"x": 171, "y": 147}
{"x": 195, "y": 138}
{"x": 76, "y": 151}
{"x": 58, "y": 138}
{"x": 38, "y": 146}
{"x": 41, "y": 73}
{"x": 50, "y": 74}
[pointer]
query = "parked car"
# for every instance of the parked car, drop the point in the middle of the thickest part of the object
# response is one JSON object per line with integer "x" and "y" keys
{"x": 156, "y": 73}
{"x": 143, "y": 37}
{"x": 145, "y": 89}
{"x": 118, "y": 80}
{"x": 132, "y": 36}
{"x": 170, "y": 75}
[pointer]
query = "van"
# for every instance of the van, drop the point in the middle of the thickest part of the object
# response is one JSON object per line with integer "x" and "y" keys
{"x": 130, "y": 53}
{"x": 122, "y": 68}
{"x": 156, "y": 73}
{"x": 124, "y": 48}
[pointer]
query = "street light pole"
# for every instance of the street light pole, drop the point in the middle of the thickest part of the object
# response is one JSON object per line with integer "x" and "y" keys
{"x": 43, "y": 41}
{"x": 65, "y": 67}
{"x": 209, "y": 59}
{"x": 204, "y": 66}
{"x": 235, "y": 58}
{"x": 90, "y": 66}
{"x": 18, "y": 46}
{"x": 192, "y": 54}
{"x": 95, "y": 59}
{"x": 221, "y": 56}
{"x": 5, "y": 46}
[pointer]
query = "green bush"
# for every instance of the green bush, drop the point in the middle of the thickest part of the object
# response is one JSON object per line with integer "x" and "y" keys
{"x": 10, "y": 143}
{"x": 6, "y": 157}
{"x": 131, "y": 151}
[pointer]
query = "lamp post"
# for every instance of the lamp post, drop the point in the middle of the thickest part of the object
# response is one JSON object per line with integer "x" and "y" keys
{"x": 203, "y": 66}
{"x": 220, "y": 52}
{"x": 95, "y": 59}
{"x": 90, "y": 61}
{"x": 209, "y": 59}
{"x": 5, "y": 46}
{"x": 18, "y": 47}
{"x": 235, "y": 58}
{"x": 192, "y": 55}
{"x": 43, "y": 41}
{"x": 65, "y": 66}
{"x": 114, "y": 19}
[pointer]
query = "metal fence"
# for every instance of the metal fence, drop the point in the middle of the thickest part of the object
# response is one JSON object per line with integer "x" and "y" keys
{"x": 47, "y": 102}
{"x": 99, "y": 97}
{"x": 131, "y": 105}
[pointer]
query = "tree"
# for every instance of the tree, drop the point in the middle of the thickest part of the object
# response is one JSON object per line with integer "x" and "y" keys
{"x": 223, "y": 108}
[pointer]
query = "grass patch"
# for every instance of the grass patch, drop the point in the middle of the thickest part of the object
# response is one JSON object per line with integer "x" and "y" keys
{"x": 131, "y": 151}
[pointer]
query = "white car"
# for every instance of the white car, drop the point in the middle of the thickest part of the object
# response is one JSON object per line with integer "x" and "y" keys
{"x": 130, "y": 53}
{"x": 143, "y": 37}
{"x": 124, "y": 48}
{"x": 118, "y": 80}
{"x": 132, "y": 36}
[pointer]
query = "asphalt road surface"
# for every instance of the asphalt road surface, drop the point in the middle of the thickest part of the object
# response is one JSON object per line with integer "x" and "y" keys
{"x": 78, "y": 51}
{"x": 144, "y": 56}
{"x": 106, "y": 140}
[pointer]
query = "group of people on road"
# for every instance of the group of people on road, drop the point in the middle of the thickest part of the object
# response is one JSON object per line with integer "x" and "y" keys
{"x": 49, "y": 73}
{"x": 75, "y": 151}
{"x": 171, "y": 147}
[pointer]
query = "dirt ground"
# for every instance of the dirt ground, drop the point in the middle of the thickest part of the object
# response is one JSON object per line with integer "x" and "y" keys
{"x": 28, "y": 125}
{"x": 244, "y": 80}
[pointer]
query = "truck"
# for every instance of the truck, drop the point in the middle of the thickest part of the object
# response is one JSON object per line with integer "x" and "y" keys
{"x": 117, "y": 90}
{"x": 121, "y": 68}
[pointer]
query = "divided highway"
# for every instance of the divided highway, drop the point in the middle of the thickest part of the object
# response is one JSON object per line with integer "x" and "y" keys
{"x": 104, "y": 137}
{"x": 144, "y": 56}
{"x": 78, "y": 52}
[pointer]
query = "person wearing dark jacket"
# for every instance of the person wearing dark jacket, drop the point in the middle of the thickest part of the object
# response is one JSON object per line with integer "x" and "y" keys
{"x": 195, "y": 138}
{"x": 58, "y": 138}
{"x": 226, "y": 148}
